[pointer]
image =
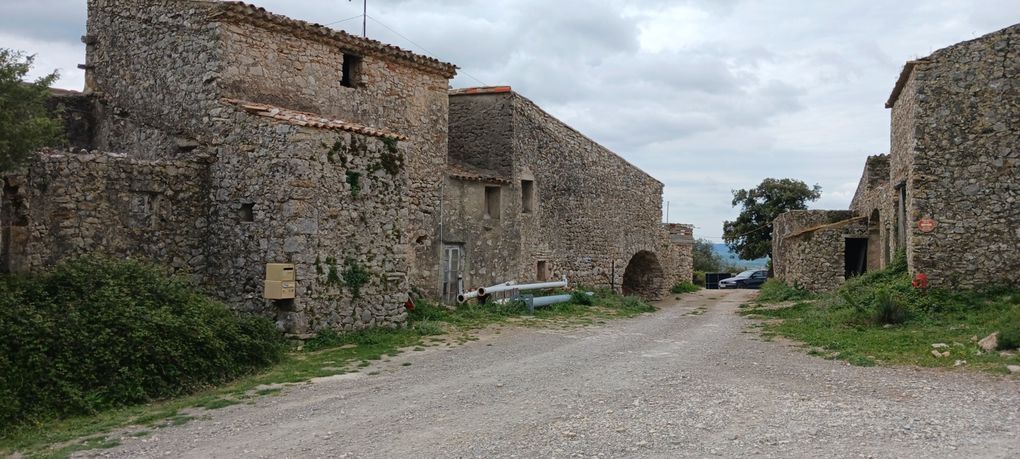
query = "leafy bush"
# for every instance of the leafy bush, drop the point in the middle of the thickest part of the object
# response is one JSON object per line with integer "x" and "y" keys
{"x": 698, "y": 278}
{"x": 775, "y": 290}
{"x": 95, "y": 333}
{"x": 889, "y": 309}
{"x": 581, "y": 298}
{"x": 1009, "y": 339}
{"x": 684, "y": 287}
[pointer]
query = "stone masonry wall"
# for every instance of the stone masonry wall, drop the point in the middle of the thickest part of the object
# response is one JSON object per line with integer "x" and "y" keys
{"x": 681, "y": 259}
{"x": 67, "y": 203}
{"x": 785, "y": 264}
{"x": 301, "y": 69}
{"x": 593, "y": 211}
{"x": 814, "y": 258}
{"x": 596, "y": 210}
{"x": 965, "y": 162}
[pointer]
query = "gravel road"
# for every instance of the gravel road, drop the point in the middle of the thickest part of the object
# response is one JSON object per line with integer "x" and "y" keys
{"x": 666, "y": 384}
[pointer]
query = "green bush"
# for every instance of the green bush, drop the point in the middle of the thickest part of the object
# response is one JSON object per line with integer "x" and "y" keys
{"x": 775, "y": 290}
{"x": 581, "y": 298}
{"x": 95, "y": 333}
{"x": 684, "y": 287}
{"x": 889, "y": 309}
{"x": 1009, "y": 339}
{"x": 698, "y": 278}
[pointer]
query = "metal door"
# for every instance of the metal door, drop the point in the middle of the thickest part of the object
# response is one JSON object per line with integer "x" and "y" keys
{"x": 453, "y": 271}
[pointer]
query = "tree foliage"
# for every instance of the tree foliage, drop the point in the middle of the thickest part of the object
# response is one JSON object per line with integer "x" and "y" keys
{"x": 25, "y": 124}
{"x": 706, "y": 259}
{"x": 750, "y": 235}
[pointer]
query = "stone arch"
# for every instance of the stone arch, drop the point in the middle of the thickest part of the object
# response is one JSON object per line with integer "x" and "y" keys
{"x": 644, "y": 276}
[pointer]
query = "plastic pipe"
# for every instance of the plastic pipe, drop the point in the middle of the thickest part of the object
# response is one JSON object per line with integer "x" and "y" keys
{"x": 464, "y": 296}
{"x": 522, "y": 287}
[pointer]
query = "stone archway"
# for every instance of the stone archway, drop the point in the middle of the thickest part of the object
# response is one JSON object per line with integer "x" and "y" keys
{"x": 644, "y": 276}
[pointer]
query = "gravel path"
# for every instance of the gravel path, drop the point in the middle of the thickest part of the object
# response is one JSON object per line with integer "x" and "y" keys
{"x": 666, "y": 384}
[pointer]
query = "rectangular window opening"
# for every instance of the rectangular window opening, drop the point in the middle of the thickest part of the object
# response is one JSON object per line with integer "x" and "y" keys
{"x": 527, "y": 196}
{"x": 541, "y": 271}
{"x": 351, "y": 76}
{"x": 247, "y": 213}
{"x": 492, "y": 202}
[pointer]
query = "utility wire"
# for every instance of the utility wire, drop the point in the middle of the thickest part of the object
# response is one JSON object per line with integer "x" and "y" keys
{"x": 419, "y": 46}
{"x": 342, "y": 20}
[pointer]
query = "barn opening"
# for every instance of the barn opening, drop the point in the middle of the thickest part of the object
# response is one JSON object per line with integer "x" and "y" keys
{"x": 644, "y": 276}
{"x": 855, "y": 256}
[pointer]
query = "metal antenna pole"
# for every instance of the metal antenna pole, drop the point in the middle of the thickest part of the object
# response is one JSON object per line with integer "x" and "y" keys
{"x": 364, "y": 19}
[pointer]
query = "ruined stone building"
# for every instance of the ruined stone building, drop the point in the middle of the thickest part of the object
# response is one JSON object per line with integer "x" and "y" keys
{"x": 215, "y": 137}
{"x": 948, "y": 192}
{"x": 528, "y": 197}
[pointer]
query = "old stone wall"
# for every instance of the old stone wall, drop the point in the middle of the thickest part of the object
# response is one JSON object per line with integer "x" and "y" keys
{"x": 74, "y": 203}
{"x": 681, "y": 259}
{"x": 594, "y": 216}
{"x": 813, "y": 258}
{"x": 959, "y": 149}
{"x": 873, "y": 200}
{"x": 788, "y": 265}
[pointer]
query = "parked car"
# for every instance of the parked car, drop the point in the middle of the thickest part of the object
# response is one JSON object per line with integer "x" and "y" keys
{"x": 748, "y": 279}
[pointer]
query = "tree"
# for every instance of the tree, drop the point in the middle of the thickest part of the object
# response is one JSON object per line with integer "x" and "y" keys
{"x": 705, "y": 257}
{"x": 750, "y": 235}
{"x": 25, "y": 123}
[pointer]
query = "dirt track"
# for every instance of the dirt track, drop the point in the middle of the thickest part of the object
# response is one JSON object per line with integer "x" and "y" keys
{"x": 665, "y": 384}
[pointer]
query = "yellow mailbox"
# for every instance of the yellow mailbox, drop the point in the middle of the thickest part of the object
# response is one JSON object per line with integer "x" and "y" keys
{"x": 279, "y": 283}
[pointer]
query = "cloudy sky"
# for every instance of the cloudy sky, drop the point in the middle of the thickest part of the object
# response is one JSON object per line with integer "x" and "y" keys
{"x": 706, "y": 95}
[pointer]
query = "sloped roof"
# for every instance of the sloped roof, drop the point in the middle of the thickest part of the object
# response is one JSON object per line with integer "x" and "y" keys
{"x": 908, "y": 68}
{"x": 312, "y": 120}
{"x": 462, "y": 172}
{"x": 250, "y": 13}
{"x": 827, "y": 226}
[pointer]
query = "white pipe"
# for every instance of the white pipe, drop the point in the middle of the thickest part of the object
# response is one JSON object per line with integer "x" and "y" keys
{"x": 536, "y": 286}
{"x": 540, "y": 301}
{"x": 464, "y": 296}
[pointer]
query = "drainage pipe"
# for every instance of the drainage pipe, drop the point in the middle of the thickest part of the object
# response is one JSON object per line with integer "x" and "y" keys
{"x": 540, "y": 301}
{"x": 522, "y": 287}
{"x": 464, "y": 296}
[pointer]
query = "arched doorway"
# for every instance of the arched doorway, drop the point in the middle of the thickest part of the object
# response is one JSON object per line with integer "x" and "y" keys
{"x": 643, "y": 276}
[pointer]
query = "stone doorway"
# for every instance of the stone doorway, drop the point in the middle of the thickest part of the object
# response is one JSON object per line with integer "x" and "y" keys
{"x": 643, "y": 276}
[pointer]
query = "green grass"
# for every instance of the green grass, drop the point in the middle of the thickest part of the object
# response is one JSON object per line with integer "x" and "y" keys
{"x": 684, "y": 287}
{"x": 773, "y": 291}
{"x": 880, "y": 319}
{"x": 327, "y": 354}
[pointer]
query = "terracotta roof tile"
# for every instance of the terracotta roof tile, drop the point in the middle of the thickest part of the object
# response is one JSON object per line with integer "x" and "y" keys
{"x": 481, "y": 90}
{"x": 251, "y": 13}
{"x": 313, "y": 120}
{"x": 461, "y": 172}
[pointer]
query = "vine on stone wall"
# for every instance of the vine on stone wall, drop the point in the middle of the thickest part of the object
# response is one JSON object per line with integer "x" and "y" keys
{"x": 355, "y": 276}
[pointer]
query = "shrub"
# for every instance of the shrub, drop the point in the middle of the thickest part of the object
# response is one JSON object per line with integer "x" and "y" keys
{"x": 774, "y": 290}
{"x": 1009, "y": 339}
{"x": 95, "y": 333}
{"x": 889, "y": 309}
{"x": 698, "y": 278}
{"x": 684, "y": 287}
{"x": 581, "y": 298}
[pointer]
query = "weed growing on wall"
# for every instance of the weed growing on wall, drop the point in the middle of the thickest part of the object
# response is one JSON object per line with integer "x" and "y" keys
{"x": 355, "y": 277}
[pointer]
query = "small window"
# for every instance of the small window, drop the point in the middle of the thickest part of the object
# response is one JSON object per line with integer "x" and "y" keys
{"x": 527, "y": 196}
{"x": 492, "y": 202}
{"x": 351, "y": 77}
{"x": 542, "y": 271}
{"x": 247, "y": 213}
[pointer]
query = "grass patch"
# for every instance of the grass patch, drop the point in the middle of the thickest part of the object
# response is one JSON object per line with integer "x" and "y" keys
{"x": 774, "y": 291}
{"x": 879, "y": 318}
{"x": 684, "y": 287}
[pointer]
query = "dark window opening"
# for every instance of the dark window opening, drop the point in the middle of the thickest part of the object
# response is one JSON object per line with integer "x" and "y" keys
{"x": 855, "y": 257}
{"x": 527, "y": 196}
{"x": 351, "y": 77}
{"x": 492, "y": 202}
{"x": 542, "y": 271}
{"x": 247, "y": 213}
{"x": 421, "y": 239}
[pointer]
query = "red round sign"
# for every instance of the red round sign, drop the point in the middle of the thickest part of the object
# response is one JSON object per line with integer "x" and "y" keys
{"x": 926, "y": 224}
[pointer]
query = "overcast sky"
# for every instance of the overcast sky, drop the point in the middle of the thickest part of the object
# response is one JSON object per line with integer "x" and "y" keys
{"x": 705, "y": 95}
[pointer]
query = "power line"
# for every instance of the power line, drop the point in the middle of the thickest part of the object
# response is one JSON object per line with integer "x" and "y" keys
{"x": 342, "y": 20}
{"x": 420, "y": 47}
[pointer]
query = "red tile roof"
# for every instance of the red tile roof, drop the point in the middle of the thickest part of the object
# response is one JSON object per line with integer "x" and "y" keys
{"x": 461, "y": 172}
{"x": 481, "y": 90}
{"x": 313, "y": 120}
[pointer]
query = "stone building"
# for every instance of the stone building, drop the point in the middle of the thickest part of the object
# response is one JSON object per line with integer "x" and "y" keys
{"x": 948, "y": 193}
{"x": 215, "y": 137}
{"x": 530, "y": 198}
{"x": 245, "y": 138}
